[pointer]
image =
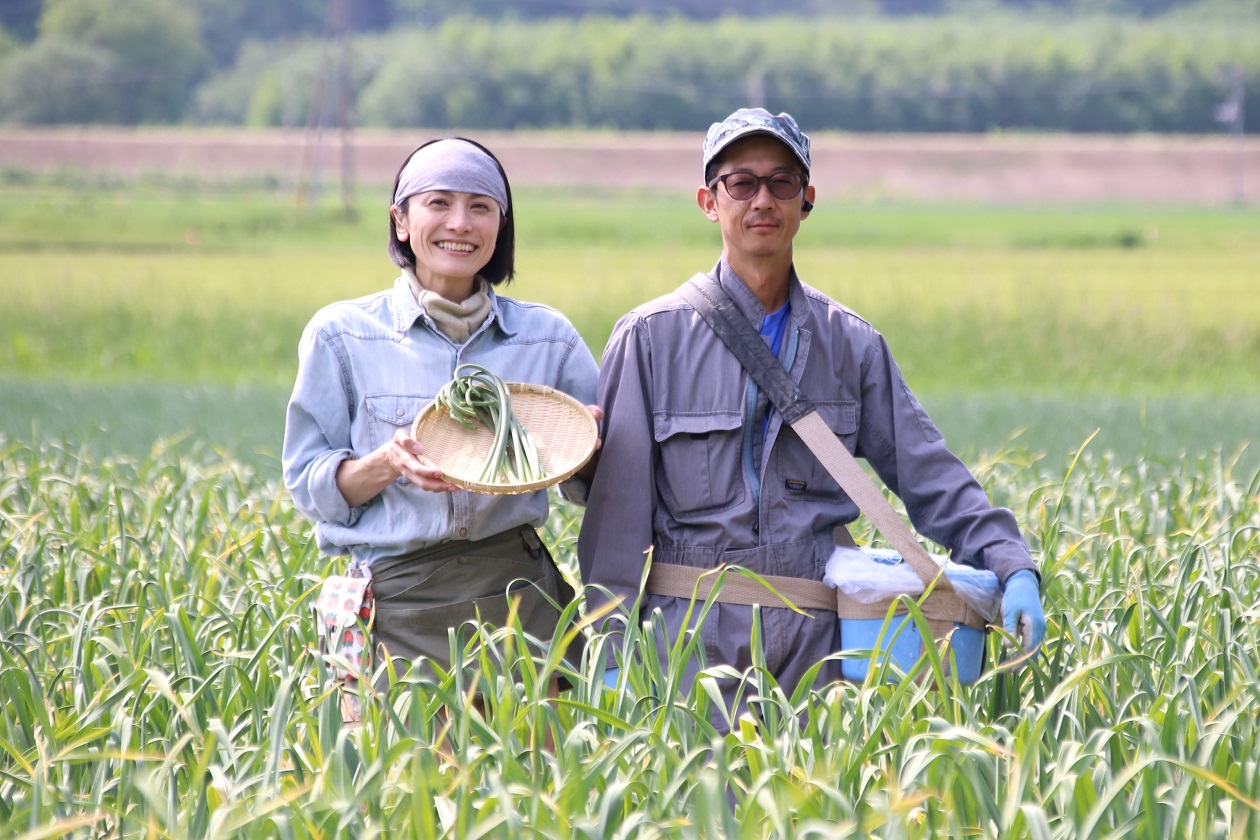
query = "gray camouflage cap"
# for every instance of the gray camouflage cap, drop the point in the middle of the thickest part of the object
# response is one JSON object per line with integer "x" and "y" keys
{"x": 749, "y": 121}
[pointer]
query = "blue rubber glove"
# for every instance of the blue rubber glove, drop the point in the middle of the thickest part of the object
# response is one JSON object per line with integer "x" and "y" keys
{"x": 611, "y": 676}
{"x": 1021, "y": 609}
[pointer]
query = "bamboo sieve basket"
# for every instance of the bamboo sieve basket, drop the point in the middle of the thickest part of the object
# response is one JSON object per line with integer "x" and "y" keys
{"x": 563, "y": 430}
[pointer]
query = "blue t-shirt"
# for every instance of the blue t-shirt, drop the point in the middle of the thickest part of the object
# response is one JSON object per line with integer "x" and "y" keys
{"x": 773, "y": 327}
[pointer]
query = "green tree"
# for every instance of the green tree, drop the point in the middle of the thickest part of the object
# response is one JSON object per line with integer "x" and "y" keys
{"x": 228, "y": 24}
{"x": 8, "y": 45}
{"x": 20, "y": 17}
{"x": 155, "y": 44}
{"x": 954, "y": 73}
{"x": 58, "y": 81}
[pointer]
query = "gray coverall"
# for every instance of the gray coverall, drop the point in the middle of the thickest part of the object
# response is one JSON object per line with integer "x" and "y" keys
{"x": 683, "y": 469}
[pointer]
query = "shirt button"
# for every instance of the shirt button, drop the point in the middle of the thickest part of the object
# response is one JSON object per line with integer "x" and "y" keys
{"x": 463, "y": 532}
{"x": 398, "y": 412}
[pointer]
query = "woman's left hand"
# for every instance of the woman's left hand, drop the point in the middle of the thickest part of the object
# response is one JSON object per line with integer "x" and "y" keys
{"x": 588, "y": 469}
{"x": 598, "y": 414}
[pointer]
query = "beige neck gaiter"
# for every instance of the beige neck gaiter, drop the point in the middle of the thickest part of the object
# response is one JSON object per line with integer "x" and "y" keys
{"x": 458, "y": 321}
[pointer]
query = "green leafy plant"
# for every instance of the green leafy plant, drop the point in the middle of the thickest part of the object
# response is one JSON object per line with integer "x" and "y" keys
{"x": 161, "y": 678}
{"x": 477, "y": 396}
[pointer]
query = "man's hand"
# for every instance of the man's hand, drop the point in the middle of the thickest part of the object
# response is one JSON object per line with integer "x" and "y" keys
{"x": 1021, "y": 609}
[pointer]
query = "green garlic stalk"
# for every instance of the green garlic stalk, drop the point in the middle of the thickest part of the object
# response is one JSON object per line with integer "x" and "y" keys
{"x": 477, "y": 396}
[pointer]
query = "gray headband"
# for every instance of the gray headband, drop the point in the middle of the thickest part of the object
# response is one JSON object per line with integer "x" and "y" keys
{"x": 455, "y": 166}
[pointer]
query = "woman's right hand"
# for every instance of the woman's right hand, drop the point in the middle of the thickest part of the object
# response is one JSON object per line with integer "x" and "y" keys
{"x": 403, "y": 453}
{"x": 362, "y": 479}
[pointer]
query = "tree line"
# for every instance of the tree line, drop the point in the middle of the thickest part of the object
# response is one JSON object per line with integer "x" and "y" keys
{"x": 151, "y": 62}
{"x": 226, "y": 24}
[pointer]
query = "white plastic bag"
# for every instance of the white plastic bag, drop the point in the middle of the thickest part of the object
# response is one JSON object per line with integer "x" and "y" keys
{"x": 875, "y": 575}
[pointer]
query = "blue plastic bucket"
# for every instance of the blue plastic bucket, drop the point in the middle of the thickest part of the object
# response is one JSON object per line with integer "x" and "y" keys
{"x": 905, "y": 644}
{"x": 965, "y": 652}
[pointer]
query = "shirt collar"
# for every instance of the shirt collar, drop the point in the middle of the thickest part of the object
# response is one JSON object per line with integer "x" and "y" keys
{"x": 749, "y": 304}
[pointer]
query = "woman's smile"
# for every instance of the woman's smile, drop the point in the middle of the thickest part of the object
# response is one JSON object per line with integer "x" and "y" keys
{"x": 458, "y": 247}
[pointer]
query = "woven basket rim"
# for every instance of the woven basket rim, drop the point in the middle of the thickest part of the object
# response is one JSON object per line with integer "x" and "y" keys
{"x": 584, "y": 429}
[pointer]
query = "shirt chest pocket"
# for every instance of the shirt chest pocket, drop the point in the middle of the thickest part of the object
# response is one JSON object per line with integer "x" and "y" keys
{"x": 699, "y": 468}
{"x": 799, "y": 470}
{"x": 387, "y": 413}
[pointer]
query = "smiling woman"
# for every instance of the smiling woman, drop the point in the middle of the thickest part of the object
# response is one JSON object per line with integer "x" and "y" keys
{"x": 443, "y": 222}
{"x": 439, "y": 557}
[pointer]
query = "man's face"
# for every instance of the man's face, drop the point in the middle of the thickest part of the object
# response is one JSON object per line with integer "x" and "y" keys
{"x": 763, "y": 226}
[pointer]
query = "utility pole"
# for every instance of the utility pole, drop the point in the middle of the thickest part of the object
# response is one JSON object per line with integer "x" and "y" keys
{"x": 336, "y": 35}
{"x": 341, "y": 27}
{"x": 1232, "y": 113}
{"x": 756, "y": 88}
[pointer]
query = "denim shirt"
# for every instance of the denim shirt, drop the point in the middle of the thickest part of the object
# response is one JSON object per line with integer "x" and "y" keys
{"x": 366, "y": 368}
{"x": 681, "y": 473}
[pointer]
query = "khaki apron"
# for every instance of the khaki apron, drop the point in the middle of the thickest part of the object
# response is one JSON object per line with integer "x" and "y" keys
{"x": 421, "y": 596}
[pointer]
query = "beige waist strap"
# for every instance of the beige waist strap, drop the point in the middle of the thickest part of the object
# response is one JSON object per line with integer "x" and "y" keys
{"x": 687, "y": 581}
{"x": 941, "y": 609}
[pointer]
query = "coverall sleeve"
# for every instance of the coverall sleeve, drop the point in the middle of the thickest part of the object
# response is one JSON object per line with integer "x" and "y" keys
{"x": 317, "y": 433}
{"x": 943, "y": 499}
{"x": 617, "y": 528}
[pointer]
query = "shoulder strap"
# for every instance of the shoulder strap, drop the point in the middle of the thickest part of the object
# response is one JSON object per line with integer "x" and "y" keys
{"x": 718, "y": 311}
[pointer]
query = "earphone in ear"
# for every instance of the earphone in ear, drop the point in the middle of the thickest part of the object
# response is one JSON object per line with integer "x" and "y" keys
{"x": 806, "y": 206}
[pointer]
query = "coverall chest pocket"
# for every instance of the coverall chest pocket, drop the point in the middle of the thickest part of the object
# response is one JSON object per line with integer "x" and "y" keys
{"x": 699, "y": 467}
{"x": 387, "y": 413}
{"x": 802, "y": 474}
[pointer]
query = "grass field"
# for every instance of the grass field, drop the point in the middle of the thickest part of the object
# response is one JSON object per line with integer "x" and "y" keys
{"x": 187, "y": 300}
{"x": 161, "y": 676}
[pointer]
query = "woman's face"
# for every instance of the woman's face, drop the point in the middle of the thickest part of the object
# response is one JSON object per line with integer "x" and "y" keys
{"x": 451, "y": 233}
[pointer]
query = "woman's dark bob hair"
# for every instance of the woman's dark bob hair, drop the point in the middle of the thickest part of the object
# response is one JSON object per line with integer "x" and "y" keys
{"x": 502, "y": 265}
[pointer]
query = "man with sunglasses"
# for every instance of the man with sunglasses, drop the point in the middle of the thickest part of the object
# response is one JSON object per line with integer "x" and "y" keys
{"x": 697, "y": 467}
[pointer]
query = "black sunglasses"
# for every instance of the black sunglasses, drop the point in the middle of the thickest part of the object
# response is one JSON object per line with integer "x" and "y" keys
{"x": 742, "y": 186}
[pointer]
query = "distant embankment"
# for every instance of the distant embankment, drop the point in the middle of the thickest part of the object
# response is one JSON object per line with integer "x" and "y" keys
{"x": 981, "y": 168}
